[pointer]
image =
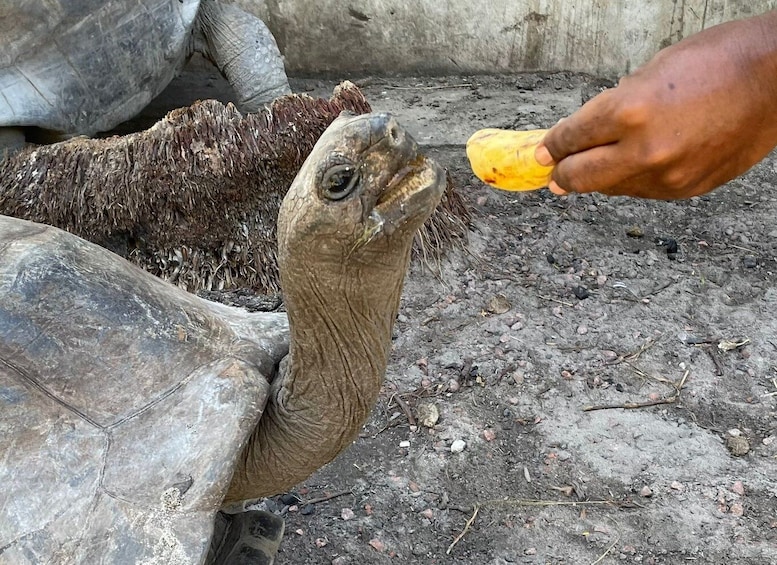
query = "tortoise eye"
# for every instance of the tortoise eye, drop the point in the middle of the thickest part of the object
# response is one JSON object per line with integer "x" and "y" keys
{"x": 339, "y": 181}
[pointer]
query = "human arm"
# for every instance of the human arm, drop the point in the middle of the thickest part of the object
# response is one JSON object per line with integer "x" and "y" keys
{"x": 700, "y": 113}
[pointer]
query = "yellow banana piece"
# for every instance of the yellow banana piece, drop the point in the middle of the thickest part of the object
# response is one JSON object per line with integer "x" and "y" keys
{"x": 505, "y": 158}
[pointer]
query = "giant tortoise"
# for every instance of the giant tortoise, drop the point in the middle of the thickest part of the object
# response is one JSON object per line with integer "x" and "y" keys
{"x": 131, "y": 411}
{"x": 84, "y": 66}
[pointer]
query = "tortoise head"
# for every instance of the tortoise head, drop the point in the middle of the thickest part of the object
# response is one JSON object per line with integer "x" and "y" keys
{"x": 358, "y": 199}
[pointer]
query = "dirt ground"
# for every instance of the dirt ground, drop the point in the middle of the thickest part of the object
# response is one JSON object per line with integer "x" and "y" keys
{"x": 661, "y": 316}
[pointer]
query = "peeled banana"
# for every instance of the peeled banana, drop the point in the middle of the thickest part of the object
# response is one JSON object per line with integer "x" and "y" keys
{"x": 505, "y": 158}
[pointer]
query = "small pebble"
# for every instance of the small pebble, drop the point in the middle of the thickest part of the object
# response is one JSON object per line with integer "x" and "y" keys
{"x": 582, "y": 330}
{"x": 489, "y": 434}
{"x": 738, "y": 488}
{"x": 581, "y": 292}
{"x": 289, "y": 499}
{"x": 646, "y": 492}
{"x": 453, "y": 385}
{"x": 321, "y": 542}
{"x": 404, "y": 444}
{"x": 530, "y": 551}
{"x": 514, "y": 400}
{"x": 458, "y": 446}
{"x": 339, "y": 561}
{"x": 737, "y": 509}
{"x": 299, "y": 532}
{"x": 749, "y": 262}
{"x": 307, "y": 509}
{"x": 635, "y": 231}
{"x": 428, "y": 513}
{"x": 738, "y": 445}
{"x": 347, "y": 514}
{"x": 677, "y": 486}
{"x": 378, "y": 545}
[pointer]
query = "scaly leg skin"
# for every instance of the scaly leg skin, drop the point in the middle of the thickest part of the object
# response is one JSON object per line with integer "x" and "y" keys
{"x": 244, "y": 51}
{"x": 246, "y": 538}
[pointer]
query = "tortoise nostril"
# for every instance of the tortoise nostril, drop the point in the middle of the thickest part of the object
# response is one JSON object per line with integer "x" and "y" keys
{"x": 393, "y": 134}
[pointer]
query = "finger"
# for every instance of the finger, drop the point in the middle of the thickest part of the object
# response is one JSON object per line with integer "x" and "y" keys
{"x": 543, "y": 156}
{"x": 556, "y": 189}
{"x": 590, "y": 126}
{"x": 601, "y": 169}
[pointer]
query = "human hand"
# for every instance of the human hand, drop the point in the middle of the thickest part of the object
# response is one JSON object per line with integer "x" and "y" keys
{"x": 698, "y": 114}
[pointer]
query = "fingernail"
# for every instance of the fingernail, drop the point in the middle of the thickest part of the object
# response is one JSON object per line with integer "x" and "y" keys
{"x": 543, "y": 156}
{"x": 556, "y": 189}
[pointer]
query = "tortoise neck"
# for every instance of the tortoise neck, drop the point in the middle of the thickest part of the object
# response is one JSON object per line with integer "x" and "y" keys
{"x": 340, "y": 341}
{"x": 340, "y": 321}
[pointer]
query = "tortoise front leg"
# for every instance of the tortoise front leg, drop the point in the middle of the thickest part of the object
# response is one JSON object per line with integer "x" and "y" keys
{"x": 244, "y": 51}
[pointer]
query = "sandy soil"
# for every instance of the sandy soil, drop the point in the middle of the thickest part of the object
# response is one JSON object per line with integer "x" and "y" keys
{"x": 659, "y": 314}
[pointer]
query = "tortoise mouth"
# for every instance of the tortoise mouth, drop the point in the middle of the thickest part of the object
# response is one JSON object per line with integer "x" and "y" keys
{"x": 406, "y": 202}
{"x": 412, "y": 193}
{"x": 420, "y": 177}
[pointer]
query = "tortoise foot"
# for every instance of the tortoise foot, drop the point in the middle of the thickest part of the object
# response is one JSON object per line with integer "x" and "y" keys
{"x": 246, "y": 538}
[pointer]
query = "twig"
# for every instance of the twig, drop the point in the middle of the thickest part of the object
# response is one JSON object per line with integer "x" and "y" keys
{"x": 327, "y": 497}
{"x": 611, "y": 546}
{"x": 439, "y": 87}
{"x": 715, "y": 361}
{"x": 556, "y": 300}
{"x": 465, "y": 530}
{"x": 647, "y": 404}
{"x": 742, "y": 248}
{"x": 631, "y": 405}
{"x": 545, "y": 503}
{"x": 406, "y": 409}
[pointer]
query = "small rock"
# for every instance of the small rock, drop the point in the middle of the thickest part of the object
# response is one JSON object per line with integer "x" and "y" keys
{"x": 458, "y": 446}
{"x": 428, "y": 414}
{"x": 299, "y": 532}
{"x": 563, "y": 455}
{"x": 582, "y": 330}
{"x": 734, "y": 432}
{"x": 405, "y": 444}
{"x": 378, "y": 545}
{"x": 498, "y": 305}
{"x": 530, "y": 551}
{"x": 646, "y": 492}
{"x": 768, "y": 440}
{"x": 293, "y": 508}
{"x": 738, "y": 445}
{"x": 321, "y": 542}
{"x": 289, "y": 499}
{"x": 601, "y": 280}
{"x": 679, "y": 487}
{"x": 307, "y": 510}
{"x": 454, "y": 385}
{"x": 339, "y": 561}
{"x": 581, "y": 292}
{"x": 749, "y": 262}
{"x": 347, "y": 514}
{"x": 738, "y": 488}
{"x": 428, "y": 513}
{"x": 736, "y": 509}
{"x": 514, "y": 400}
{"x": 635, "y": 231}
{"x": 489, "y": 434}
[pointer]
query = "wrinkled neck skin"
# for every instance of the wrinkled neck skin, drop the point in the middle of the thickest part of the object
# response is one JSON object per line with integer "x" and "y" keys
{"x": 341, "y": 317}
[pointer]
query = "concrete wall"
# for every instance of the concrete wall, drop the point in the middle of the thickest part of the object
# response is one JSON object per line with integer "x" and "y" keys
{"x": 605, "y": 37}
